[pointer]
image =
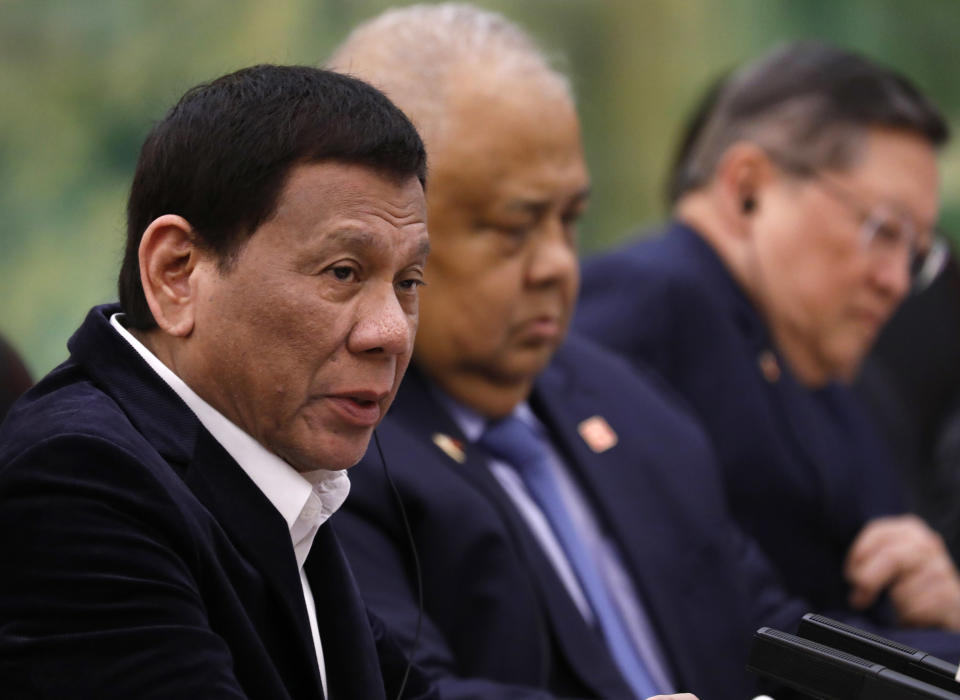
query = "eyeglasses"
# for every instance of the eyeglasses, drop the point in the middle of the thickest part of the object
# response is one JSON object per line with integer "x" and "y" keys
{"x": 886, "y": 232}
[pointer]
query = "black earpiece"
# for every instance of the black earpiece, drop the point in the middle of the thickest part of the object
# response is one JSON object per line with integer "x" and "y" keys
{"x": 748, "y": 205}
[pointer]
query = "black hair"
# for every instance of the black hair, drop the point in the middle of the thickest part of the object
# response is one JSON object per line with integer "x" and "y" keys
{"x": 805, "y": 97}
{"x": 222, "y": 155}
{"x": 676, "y": 180}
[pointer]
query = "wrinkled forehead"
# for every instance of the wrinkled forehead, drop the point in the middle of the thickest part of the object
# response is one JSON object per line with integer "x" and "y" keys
{"x": 327, "y": 188}
{"x": 331, "y": 205}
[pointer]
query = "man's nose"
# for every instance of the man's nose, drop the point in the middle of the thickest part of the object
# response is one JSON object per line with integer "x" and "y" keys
{"x": 383, "y": 325}
{"x": 891, "y": 273}
{"x": 554, "y": 255}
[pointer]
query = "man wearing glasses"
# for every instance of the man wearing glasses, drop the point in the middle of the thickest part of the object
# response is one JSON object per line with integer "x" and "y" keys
{"x": 804, "y": 198}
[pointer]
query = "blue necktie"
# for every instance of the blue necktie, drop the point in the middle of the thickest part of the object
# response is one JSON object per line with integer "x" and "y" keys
{"x": 517, "y": 443}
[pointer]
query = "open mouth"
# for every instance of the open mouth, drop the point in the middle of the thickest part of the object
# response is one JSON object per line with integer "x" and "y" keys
{"x": 361, "y": 402}
{"x": 362, "y": 409}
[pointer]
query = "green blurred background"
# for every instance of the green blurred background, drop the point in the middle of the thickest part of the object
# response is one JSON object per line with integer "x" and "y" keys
{"x": 82, "y": 80}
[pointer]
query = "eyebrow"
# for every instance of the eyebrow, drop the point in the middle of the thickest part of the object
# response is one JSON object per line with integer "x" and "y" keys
{"x": 359, "y": 239}
{"x": 354, "y": 238}
{"x": 536, "y": 207}
{"x": 423, "y": 250}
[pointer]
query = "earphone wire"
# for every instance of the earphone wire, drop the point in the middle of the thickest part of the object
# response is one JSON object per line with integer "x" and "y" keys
{"x": 418, "y": 576}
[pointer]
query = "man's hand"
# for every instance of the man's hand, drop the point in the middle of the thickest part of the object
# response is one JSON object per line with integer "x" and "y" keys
{"x": 679, "y": 696}
{"x": 903, "y": 555}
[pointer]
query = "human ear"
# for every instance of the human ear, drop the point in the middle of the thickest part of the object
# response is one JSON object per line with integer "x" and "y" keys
{"x": 168, "y": 262}
{"x": 742, "y": 174}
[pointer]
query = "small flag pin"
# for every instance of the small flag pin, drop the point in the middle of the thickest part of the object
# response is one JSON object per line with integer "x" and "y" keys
{"x": 452, "y": 448}
{"x": 597, "y": 433}
{"x": 769, "y": 366}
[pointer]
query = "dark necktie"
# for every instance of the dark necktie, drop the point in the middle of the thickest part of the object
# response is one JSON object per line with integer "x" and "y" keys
{"x": 518, "y": 444}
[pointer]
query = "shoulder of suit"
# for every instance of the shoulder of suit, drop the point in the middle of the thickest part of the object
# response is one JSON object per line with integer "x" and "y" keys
{"x": 636, "y": 255}
{"x": 582, "y": 367}
{"x": 650, "y": 275}
{"x": 66, "y": 403}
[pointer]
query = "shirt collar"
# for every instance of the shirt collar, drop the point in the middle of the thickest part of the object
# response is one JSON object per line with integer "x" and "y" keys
{"x": 304, "y": 499}
{"x": 472, "y": 423}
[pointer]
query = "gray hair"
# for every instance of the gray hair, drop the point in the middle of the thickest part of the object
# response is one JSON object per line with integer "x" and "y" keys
{"x": 412, "y": 54}
{"x": 808, "y": 105}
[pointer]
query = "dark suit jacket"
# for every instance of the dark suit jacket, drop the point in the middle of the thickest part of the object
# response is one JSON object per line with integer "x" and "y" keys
{"x": 139, "y": 560}
{"x": 803, "y": 470}
{"x": 910, "y": 383}
{"x": 497, "y": 621}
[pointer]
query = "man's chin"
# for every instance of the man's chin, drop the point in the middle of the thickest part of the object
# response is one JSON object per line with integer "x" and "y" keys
{"x": 330, "y": 458}
{"x": 527, "y": 362}
{"x": 846, "y": 366}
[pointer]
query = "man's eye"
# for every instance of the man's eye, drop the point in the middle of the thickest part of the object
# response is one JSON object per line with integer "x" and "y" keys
{"x": 343, "y": 273}
{"x": 888, "y": 233}
{"x": 516, "y": 231}
{"x": 571, "y": 221}
{"x": 411, "y": 284}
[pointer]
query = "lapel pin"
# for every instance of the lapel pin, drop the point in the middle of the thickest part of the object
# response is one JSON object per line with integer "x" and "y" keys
{"x": 452, "y": 448}
{"x": 597, "y": 433}
{"x": 769, "y": 366}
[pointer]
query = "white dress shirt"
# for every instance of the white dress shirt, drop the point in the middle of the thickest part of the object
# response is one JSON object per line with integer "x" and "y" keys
{"x": 603, "y": 551}
{"x": 305, "y": 500}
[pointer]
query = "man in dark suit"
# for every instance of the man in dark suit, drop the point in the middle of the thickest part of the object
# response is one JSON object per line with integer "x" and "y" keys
{"x": 505, "y": 437}
{"x": 164, "y": 492}
{"x": 910, "y": 384}
{"x": 805, "y": 194}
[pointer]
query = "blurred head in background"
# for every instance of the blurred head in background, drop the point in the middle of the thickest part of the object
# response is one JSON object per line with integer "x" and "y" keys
{"x": 812, "y": 172}
{"x": 508, "y": 183}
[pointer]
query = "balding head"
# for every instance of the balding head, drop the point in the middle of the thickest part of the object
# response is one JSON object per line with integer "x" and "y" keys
{"x": 422, "y": 54}
{"x": 507, "y": 184}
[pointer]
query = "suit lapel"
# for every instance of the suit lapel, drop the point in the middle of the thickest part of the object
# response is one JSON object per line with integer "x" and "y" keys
{"x": 252, "y": 524}
{"x": 260, "y": 533}
{"x": 581, "y": 645}
{"x": 790, "y": 402}
{"x": 596, "y": 473}
{"x": 349, "y": 652}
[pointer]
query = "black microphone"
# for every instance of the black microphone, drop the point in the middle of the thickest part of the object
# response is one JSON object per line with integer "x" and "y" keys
{"x": 828, "y": 674}
{"x": 899, "y": 657}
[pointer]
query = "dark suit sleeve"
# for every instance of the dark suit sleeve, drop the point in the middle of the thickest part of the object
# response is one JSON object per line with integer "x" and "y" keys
{"x": 768, "y": 604}
{"x": 99, "y": 595}
{"x": 379, "y": 557}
